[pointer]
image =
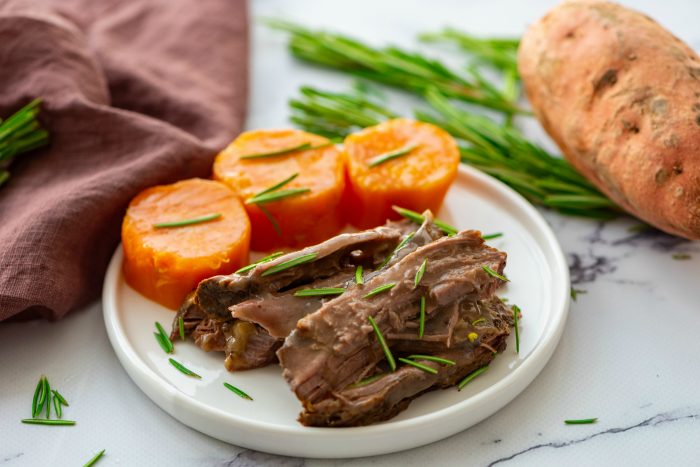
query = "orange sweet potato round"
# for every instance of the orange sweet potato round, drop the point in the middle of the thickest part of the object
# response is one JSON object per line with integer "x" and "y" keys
{"x": 302, "y": 220}
{"x": 417, "y": 180}
{"x": 164, "y": 264}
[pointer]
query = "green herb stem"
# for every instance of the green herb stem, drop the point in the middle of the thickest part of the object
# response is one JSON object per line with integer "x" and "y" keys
{"x": 278, "y": 152}
{"x": 516, "y": 326}
{"x": 263, "y": 260}
{"x": 583, "y": 421}
{"x": 471, "y": 376}
{"x": 421, "y": 319}
{"x": 237, "y": 391}
{"x": 419, "y": 219}
{"x": 359, "y": 279}
{"x": 380, "y": 289}
{"x": 493, "y": 273}
{"x": 382, "y": 343}
{"x": 401, "y": 244}
{"x": 95, "y": 458}
{"x": 433, "y": 359}
{"x": 279, "y": 185}
{"x": 279, "y": 195}
{"x": 44, "y": 421}
{"x": 47, "y": 393}
{"x": 164, "y": 340}
{"x": 388, "y": 156}
{"x": 37, "y": 401}
{"x": 366, "y": 381}
{"x": 57, "y": 406}
{"x": 186, "y": 222}
{"x": 420, "y": 272}
{"x": 492, "y": 236}
{"x": 299, "y": 260}
{"x": 319, "y": 292}
{"x": 60, "y": 398}
{"x": 181, "y": 327}
{"x": 182, "y": 369}
{"x": 420, "y": 366}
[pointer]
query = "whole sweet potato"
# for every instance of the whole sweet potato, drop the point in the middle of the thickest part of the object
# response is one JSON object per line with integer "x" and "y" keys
{"x": 621, "y": 97}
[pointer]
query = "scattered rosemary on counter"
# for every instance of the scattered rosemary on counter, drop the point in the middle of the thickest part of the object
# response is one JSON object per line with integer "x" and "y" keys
{"x": 420, "y": 272}
{"x": 432, "y": 359}
{"x": 47, "y": 392}
{"x": 583, "y": 421}
{"x": 185, "y": 222}
{"x": 95, "y": 458}
{"x": 39, "y": 397}
{"x": 421, "y": 319}
{"x": 181, "y": 327}
{"x": 516, "y": 324}
{"x": 401, "y": 244}
{"x": 261, "y": 261}
{"x": 681, "y": 256}
{"x": 319, "y": 292}
{"x": 419, "y": 219}
{"x": 492, "y": 236}
{"x": 359, "y": 280}
{"x": 420, "y": 366}
{"x": 44, "y": 421}
{"x": 57, "y": 406}
{"x": 278, "y": 152}
{"x": 163, "y": 339}
{"x": 20, "y": 133}
{"x": 575, "y": 292}
{"x": 182, "y": 369}
{"x": 493, "y": 273}
{"x": 382, "y": 344}
{"x": 471, "y": 376}
{"x": 391, "y": 155}
{"x": 237, "y": 391}
{"x": 380, "y": 289}
{"x": 366, "y": 381}
{"x": 303, "y": 259}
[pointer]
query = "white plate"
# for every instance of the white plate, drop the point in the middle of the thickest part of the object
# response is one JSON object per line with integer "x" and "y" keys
{"x": 539, "y": 285}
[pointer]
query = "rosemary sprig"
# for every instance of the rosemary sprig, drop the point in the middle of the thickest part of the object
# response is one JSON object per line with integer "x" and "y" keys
{"x": 271, "y": 197}
{"x": 433, "y": 359}
{"x": 470, "y": 377}
{"x": 278, "y": 152}
{"x": 421, "y": 319}
{"x": 38, "y": 399}
{"x": 95, "y": 458}
{"x": 359, "y": 279}
{"x": 237, "y": 391}
{"x": 499, "y": 53}
{"x": 185, "y": 222}
{"x": 163, "y": 339}
{"x": 20, "y": 133}
{"x": 47, "y": 393}
{"x": 382, "y": 343}
{"x": 366, "y": 381}
{"x": 401, "y": 244}
{"x": 319, "y": 292}
{"x": 44, "y": 421}
{"x": 391, "y": 155}
{"x": 420, "y": 272}
{"x": 492, "y": 236}
{"x": 261, "y": 261}
{"x": 283, "y": 266}
{"x": 583, "y": 421}
{"x": 391, "y": 66}
{"x": 420, "y": 366}
{"x": 516, "y": 326}
{"x": 380, "y": 289}
{"x": 182, "y": 369}
{"x": 181, "y": 327}
{"x": 419, "y": 219}
{"x": 493, "y": 273}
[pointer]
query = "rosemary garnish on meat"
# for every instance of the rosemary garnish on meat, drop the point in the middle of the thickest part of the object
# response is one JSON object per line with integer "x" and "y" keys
{"x": 181, "y": 327}
{"x": 185, "y": 222}
{"x": 401, "y": 244}
{"x": 163, "y": 339}
{"x": 182, "y": 369}
{"x": 421, "y": 319}
{"x": 391, "y": 155}
{"x": 420, "y": 272}
{"x": 470, "y": 377}
{"x": 261, "y": 261}
{"x": 44, "y": 421}
{"x": 95, "y": 458}
{"x": 303, "y": 259}
{"x": 366, "y": 381}
{"x": 419, "y": 219}
{"x": 283, "y": 152}
{"x": 319, "y": 292}
{"x": 433, "y": 359}
{"x": 382, "y": 344}
{"x": 493, "y": 273}
{"x": 380, "y": 289}
{"x": 420, "y": 366}
{"x": 583, "y": 421}
{"x": 492, "y": 236}
{"x": 237, "y": 391}
{"x": 516, "y": 318}
{"x": 359, "y": 279}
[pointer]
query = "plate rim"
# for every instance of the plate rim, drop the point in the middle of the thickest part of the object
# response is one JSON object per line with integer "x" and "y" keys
{"x": 176, "y": 402}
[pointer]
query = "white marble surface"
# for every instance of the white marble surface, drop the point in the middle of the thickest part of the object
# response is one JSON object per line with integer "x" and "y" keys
{"x": 629, "y": 354}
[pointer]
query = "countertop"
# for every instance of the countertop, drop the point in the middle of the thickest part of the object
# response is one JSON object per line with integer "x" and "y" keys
{"x": 629, "y": 354}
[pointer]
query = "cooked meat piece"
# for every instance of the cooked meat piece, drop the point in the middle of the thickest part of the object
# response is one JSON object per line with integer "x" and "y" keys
{"x": 249, "y": 346}
{"x": 333, "y": 347}
{"x": 191, "y": 315}
{"x": 383, "y": 398}
{"x": 216, "y": 294}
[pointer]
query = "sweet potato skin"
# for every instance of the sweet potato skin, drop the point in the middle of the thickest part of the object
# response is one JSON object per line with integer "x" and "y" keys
{"x": 620, "y": 95}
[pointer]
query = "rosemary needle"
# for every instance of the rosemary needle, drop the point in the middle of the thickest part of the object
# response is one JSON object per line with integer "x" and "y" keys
{"x": 279, "y": 152}
{"x": 387, "y": 156}
{"x": 432, "y": 359}
{"x": 419, "y": 219}
{"x": 493, "y": 273}
{"x": 276, "y": 195}
{"x": 420, "y": 272}
{"x": 164, "y": 340}
{"x": 470, "y": 377}
{"x": 237, "y": 391}
{"x": 36, "y": 408}
{"x": 162, "y": 343}
{"x": 319, "y": 292}
{"x": 382, "y": 344}
{"x": 478, "y": 321}
{"x": 420, "y": 366}
{"x": 57, "y": 406}
{"x": 43, "y": 421}
{"x": 366, "y": 381}
{"x": 47, "y": 392}
{"x": 60, "y": 397}
{"x": 283, "y": 266}
{"x": 492, "y": 236}
{"x": 185, "y": 222}
{"x": 583, "y": 421}
{"x": 263, "y": 260}
{"x": 275, "y": 225}
{"x": 183, "y": 369}
{"x": 95, "y": 458}
{"x": 402, "y": 244}
{"x": 181, "y": 326}
{"x": 380, "y": 289}
{"x": 359, "y": 280}
{"x": 516, "y": 312}
{"x": 421, "y": 322}
{"x": 279, "y": 185}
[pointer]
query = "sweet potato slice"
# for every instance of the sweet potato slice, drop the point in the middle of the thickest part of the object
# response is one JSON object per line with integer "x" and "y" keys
{"x": 417, "y": 180}
{"x": 166, "y": 263}
{"x": 297, "y": 221}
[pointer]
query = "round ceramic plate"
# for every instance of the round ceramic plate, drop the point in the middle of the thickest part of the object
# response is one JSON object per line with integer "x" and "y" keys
{"x": 539, "y": 285}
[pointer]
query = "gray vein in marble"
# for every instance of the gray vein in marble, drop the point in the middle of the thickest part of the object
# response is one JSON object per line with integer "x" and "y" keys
{"x": 587, "y": 269}
{"x": 11, "y": 458}
{"x": 249, "y": 458}
{"x": 662, "y": 418}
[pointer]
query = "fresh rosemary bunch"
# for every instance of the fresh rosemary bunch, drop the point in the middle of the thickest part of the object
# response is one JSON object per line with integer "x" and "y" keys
{"x": 498, "y": 150}
{"x": 19, "y": 133}
{"x": 394, "y": 67}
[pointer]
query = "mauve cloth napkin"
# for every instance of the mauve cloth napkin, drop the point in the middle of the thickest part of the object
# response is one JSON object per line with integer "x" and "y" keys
{"x": 135, "y": 94}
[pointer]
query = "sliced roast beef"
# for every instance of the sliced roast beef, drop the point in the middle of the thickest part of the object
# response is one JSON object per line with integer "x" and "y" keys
{"x": 391, "y": 392}
{"x": 336, "y": 346}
